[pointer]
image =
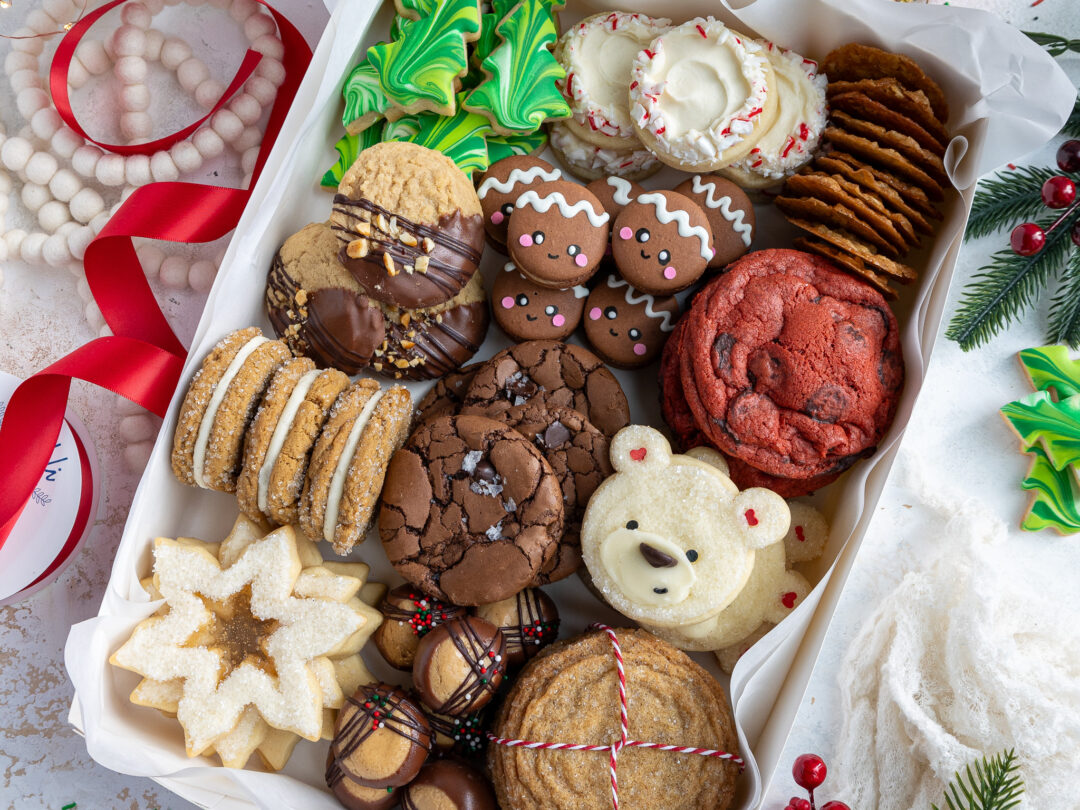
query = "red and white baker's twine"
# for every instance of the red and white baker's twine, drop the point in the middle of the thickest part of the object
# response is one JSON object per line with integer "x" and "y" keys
{"x": 624, "y": 729}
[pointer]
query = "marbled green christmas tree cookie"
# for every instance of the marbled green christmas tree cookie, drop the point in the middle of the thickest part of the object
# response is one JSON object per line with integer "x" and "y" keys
{"x": 1037, "y": 418}
{"x": 1050, "y": 367}
{"x": 348, "y": 148}
{"x": 365, "y": 101}
{"x": 1056, "y": 496}
{"x": 461, "y": 137}
{"x": 504, "y": 146}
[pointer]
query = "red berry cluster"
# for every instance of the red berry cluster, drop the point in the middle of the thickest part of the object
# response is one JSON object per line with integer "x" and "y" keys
{"x": 809, "y": 773}
{"x": 1057, "y": 192}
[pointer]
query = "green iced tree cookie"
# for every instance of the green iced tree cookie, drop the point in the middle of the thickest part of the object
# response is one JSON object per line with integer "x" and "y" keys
{"x": 348, "y": 148}
{"x": 1037, "y": 417}
{"x": 461, "y": 137}
{"x": 504, "y": 146}
{"x": 365, "y": 102}
{"x": 1052, "y": 367}
{"x": 421, "y": 69}
{"x": 1056, "y": 499}
{"x": 520, "y": 93}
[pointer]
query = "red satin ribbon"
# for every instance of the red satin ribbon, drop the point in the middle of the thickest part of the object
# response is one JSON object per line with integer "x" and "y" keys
{"x": 143, "y": 360}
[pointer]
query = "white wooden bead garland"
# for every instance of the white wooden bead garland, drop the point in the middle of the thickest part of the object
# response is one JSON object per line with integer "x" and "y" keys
{"x": 71, "y": 213}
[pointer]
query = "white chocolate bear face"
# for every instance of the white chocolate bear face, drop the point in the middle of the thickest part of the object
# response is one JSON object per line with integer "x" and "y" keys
{"x": 669, "y": 539}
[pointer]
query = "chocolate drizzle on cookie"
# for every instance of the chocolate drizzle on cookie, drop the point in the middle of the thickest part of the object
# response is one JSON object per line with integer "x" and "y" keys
{"x": 426, "y": 612}
{"x": 537, "y": 625}
{"x": 483, "y": 649}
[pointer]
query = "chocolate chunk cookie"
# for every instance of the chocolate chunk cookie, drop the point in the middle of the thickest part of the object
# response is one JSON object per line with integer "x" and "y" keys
{"x": 559, "y": 374}
{"x": 445, "y": 397}
{"x": 471, "y": 510}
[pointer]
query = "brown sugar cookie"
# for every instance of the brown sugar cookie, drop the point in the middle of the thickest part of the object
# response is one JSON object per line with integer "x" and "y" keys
{"x": 907, "y": 146}
{"x": 446, "y": 784}
{"x": 864, "y": 195}
{"x": 837, "y": 216}
{"x": 322, "y": 312}
{"x": 730, "y": 213}
{"x": 909, "y": 195}
{"x": 408, "y": 616}
{"x": 528, "y": 620}
{"x": 560, "y": 374}
{"x": 409, "y": 224}
{"x": 504, "y": 181}
{"x": 854, "y": 61}
{"x": 570, "y": 694}
{"x": 888, "y": 92}
{"x": 824, "y": 188}
{"x": 471, "y": 511}
{"x": 445, "y": 397}
{"x": 219, "y": 406}
{"x": 526, "y": 310}
{"x": 366, "y": 425}
{"x": 459, "y": 666}
{"x": 628, "y": 328}
{"x": 863, "y": 107}
{"x": 381, "y": 739}
{"x": 884, "y": 158}
{"x": 279, "y": 442}
{"x": 578, "y": 453}
{"x": 853, "y": 245}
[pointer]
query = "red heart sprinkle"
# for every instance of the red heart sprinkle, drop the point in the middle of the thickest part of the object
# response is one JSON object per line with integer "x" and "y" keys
{"x": 638, "y": 454}
{"x": 789, "y": 599}
{"x": 799, "y": 535}
{"x": 751, "y": 518}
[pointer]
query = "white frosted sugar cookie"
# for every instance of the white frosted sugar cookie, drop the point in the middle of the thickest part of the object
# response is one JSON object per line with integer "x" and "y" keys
{"x": 701, "y": 95}
{"x": 591, "y": 162}
{"x": 597, "y": 54}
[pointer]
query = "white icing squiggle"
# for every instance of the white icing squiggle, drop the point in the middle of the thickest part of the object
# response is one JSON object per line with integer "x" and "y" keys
{"x": 665, "y": 317}
{"x": 686, "y": 230}
{"x": 543, "y": 205}
{"x": 517, "y": 177}
{"x": 341, "y": 471}
{"x": 622, "y": 190}
{"x": 281, "y": 431}
{"x": 581, "y": 291}
{"x": 744, "y": 229}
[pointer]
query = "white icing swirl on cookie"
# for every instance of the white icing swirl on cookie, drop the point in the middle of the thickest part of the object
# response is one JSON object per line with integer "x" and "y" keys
{"x": 744, "y": 229}
{"x": 281, "y": 430}
{"x": 622, "y": 190}
{"x": 202, "y": 439}
{"x": 344, "y": 462}
{"x": 518, "y": 177}
{"x": 633, "y": 298}
{"x": 555, "y": 198}
{"x": 681, "y": 218}
{"x": 597, "y": 159}
{"x": 699, "y": 90}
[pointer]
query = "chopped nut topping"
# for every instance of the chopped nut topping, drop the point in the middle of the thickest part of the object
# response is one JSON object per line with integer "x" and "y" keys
{"x": 429, "y": 244}
{"x": 421, "y": 264}
{"x": 301, "y": 297}
{"x": 408, "y": 344}
{"x": 407, "y": 239}
{"x": 357, "y": 249}
{"x": 388, "y": 263}
{"x": 381, "y": 223}
{"x": 402, "y": 363}
{"x": 363, "y": 228}
{"x": 377, "y": 366}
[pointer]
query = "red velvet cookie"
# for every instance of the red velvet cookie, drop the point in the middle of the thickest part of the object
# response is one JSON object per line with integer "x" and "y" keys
{"x": 628, "y": 328}
{"x": 505, "y": 181}
{"x": 791, "y": 365}
{"x": 527, "y": 311}
{"x": 662, "y": 242}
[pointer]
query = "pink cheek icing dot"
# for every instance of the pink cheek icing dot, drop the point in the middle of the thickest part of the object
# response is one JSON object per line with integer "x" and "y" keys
{"x": 595, "y": 313}
{"x": 558, "y": 320}
{"x": 625, "y": 233}
{"x": 508, "y": 302}
{"x": 525, "y": 240}
{"x": 639, "y": 349}
{"x": 497, "y": 217}
{"x": 581, "y": 260}
{"x": 669, "y": 273}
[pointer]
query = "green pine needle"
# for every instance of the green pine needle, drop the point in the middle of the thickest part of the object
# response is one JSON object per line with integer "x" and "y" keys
{"x": 1072, "y": 126}
{"x": 995, "y": 785}
{"x": 1005, "y": 288}
{"x": 1011, "y": 197}
{"x": 1065, "y": 309}
{"x": 1055, "y": 45}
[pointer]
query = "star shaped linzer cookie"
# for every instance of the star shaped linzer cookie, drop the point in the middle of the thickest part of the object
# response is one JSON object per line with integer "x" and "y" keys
{"x": 256, "y": 644}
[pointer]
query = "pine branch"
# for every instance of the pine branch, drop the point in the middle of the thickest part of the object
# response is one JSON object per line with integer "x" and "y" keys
{"x": 1054, "y": 44}
{"x": 1072, "y": 126}
{"x": 1005, "y": 288}
{"x": 1010, "y": 197}
{"x": 995, "y": 785}
{"x": 1065, "y": 308}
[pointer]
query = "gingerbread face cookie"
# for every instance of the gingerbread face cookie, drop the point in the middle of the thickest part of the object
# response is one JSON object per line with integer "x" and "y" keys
{"x": 730, "y": 214}
{"x": 615, "y": 193}
{"x": 625, "y": 327}
{"x": 527, "y": 311}
{"x": 558, "y": 234}
{"x": 500, "y": 186}
{"x": 662, "y": 242}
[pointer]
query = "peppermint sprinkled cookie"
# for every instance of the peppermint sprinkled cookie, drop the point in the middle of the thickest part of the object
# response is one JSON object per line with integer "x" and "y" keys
{"x": 597, "y": 54}
{"x": 529, "y": 621}
{"x": 408, "y": 616}
{"x": 279, "y": 443}
{"x": 459, "y": 665}
{"x": 591, "y": 162}
{"x": 662, "y": 242}
{"x": 500, "y": 186}
{"x": 219, "y": 406}
{"x": 615, "y": 193}
{"x": 410, "y": 225}
{"x": 366, "y": 426}
{"x": 628, "y": 328}
{"x": 558, "y": 234}
{"x": 794, "y": 134}
{"x": 730, "y": 214}
{"x": 527, "y": 311}
{"x": 701, "y": 95}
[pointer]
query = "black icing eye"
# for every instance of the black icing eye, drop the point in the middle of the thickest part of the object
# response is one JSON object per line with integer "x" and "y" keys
{"x": 611, "y": 313}
{"x": 538, "y": 237}
{"x": 631, "y": 524}
{"x": 573, "y": 250}
{"x": 691, "y": 555}
{"x": 550, "y": 309}
{"x": 663, "y": 257}
{"x": 642, "y": 235}
{"x": 522, "y": 300}
{"x": 634, "y": 334}
{"x": 507, "y": 209}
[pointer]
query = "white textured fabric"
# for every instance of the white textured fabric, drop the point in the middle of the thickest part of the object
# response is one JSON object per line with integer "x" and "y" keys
{"x": 962, "y": 659}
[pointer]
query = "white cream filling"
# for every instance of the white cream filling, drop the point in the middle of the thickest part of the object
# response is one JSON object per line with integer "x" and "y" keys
{"x": 202, "y": 440}
{"x": 281, "y": 430}
{"x": 341, "y": 471}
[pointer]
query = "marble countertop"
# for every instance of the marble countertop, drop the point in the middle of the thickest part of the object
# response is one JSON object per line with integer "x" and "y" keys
{"x": 955, "y": 440}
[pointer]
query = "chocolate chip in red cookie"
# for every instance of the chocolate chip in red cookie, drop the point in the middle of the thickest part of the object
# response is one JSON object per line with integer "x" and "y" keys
{"x": 662, "y": 242}
{"x": 527, "y": 311}
{"x": 628, "y": 328}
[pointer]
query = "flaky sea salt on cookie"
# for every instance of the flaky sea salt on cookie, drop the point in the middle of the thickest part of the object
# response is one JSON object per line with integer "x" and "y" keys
{"x": 701, "y": 95}
{"x": 597, "y": 54}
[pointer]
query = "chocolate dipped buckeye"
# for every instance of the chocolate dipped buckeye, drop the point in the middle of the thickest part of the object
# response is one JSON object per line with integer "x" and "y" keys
{"x": 459, "y": 665}
{"x": 529, "y": 621}
{"x": 446, "y": 784}
{"x": 408, "y": 616}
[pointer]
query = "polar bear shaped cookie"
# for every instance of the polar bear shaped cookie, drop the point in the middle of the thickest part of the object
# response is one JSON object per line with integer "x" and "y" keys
{"x": 668, "y": 539}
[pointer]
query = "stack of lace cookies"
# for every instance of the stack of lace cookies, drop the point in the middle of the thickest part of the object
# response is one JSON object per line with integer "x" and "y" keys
{"x": 297, "y": 444}
{"x": 256, "y": 644}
